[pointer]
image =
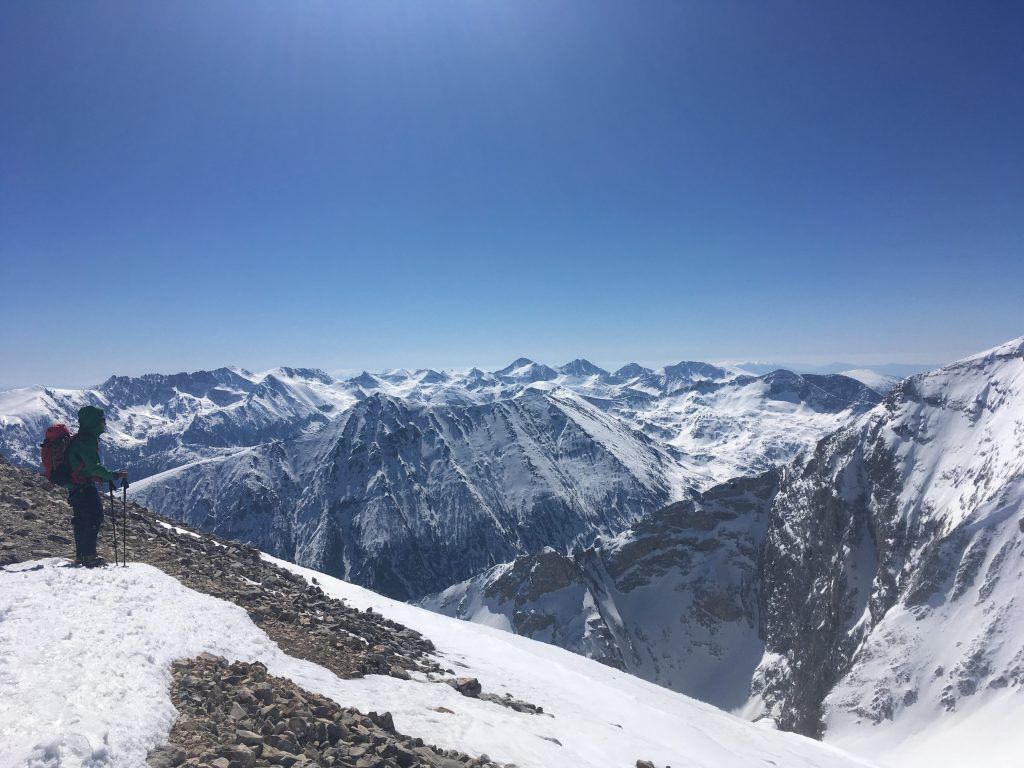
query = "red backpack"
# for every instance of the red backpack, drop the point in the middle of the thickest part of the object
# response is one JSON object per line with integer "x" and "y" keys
{"x": 54, "y": 450}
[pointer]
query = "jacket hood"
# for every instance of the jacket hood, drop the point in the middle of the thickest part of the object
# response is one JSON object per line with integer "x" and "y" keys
{"x": 90, "y": 419}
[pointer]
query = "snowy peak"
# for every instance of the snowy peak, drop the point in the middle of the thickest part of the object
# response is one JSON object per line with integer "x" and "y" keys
{"x": 631, "y": 371}
{"x": 525, "y": 370}
{"x": 581, "y": 368}
{"x": 517, "y": 364}
{"x": 689, "y": 370}
{"x": 430, "y": 376}
{"x": 303, "y": 374}
{"x": 366, "y": 380}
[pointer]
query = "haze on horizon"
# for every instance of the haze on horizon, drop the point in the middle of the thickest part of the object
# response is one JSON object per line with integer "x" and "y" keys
{"x": 380, "y": 184}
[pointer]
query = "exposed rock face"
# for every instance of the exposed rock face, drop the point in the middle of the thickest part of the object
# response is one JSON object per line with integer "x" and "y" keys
{"x": 673, "y": 599}
{"x": 910, "y": 513}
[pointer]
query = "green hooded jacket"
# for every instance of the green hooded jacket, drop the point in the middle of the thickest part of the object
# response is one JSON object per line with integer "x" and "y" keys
{"x": 85, "y": 450}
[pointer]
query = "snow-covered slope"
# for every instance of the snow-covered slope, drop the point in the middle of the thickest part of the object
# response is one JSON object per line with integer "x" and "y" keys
{"x": 86, "y": 667}
{"x": 882, "y": 383}
{"x": 746, "y": 425}
{"x": 410, "y": 498}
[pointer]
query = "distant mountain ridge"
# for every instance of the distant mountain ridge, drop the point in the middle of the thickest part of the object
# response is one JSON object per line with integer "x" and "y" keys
{"x": 468, "y": 468}
{"x": 161, "y": 421}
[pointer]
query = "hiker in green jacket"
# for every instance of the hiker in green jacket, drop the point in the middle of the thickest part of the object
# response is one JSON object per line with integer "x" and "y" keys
{"x": 86, "y": 471}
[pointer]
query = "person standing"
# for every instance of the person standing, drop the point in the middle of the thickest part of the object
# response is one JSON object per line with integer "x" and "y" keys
{"x": 86, "y": 471}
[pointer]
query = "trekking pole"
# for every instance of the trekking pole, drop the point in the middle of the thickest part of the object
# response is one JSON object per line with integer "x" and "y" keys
{"x": 113, "y": 518}
{"x": 124, "y": 520}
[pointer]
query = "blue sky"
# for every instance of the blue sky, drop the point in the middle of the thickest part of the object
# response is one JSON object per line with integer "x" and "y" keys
{"x": 377, "y": 184}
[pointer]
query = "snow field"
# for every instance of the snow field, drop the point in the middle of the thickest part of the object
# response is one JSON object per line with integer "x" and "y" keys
{"x": 85, "y": 661}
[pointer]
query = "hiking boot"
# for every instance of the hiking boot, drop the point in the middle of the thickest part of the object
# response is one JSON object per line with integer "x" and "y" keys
{"x": 94, "y": 561}
{"x": 79, "y": 560}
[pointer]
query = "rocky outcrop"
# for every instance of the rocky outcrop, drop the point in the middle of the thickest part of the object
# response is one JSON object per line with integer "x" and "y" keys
{"x": 238, "y": 716}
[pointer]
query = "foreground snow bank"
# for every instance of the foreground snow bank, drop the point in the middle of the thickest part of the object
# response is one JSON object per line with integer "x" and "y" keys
{"x": 602, "y": 718}
{"x": 85, "y": 659}
{"x": 85, "y": 667}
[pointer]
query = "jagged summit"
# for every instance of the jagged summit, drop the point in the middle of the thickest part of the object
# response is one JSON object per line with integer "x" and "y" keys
{"x": 312, "y": 374}
{"x": 153, "y": 387}
{"x": 580, "y": 367}
{"x": 631, "y": 371}
{"x": 525, "y": 370}
{"x": 366, "y": 379}
{"x": 521, "y": 362}
{"x": 692, "y": 371}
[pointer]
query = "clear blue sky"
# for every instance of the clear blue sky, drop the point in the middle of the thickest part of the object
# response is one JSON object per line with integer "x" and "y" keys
{"x": 382, "y": 183}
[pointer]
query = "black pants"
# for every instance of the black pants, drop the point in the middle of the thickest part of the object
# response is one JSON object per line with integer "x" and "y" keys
{"x": 85, "y": 501}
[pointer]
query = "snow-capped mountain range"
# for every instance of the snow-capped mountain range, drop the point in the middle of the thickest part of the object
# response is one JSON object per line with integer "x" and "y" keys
{"x": 408, "y": 481}
{"x": 791, "y": 547}
{"x": 157, "y": 422}
{"x": 865, "y": 591}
